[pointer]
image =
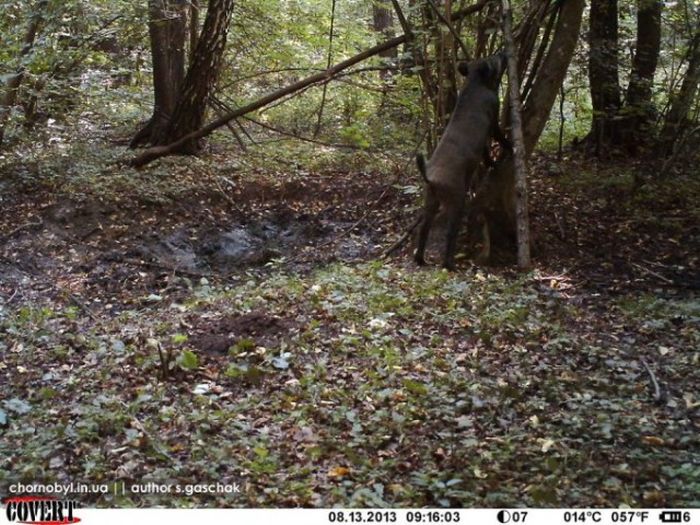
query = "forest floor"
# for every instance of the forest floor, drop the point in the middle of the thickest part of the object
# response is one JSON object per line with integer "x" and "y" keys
{"x": 186, "y": 325}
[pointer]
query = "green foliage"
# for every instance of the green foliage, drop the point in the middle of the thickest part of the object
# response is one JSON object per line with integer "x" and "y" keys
{"x": 187, "y": 360}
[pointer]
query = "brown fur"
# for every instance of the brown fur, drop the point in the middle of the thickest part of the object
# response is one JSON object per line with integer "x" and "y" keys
{"x": 466, "y": 141}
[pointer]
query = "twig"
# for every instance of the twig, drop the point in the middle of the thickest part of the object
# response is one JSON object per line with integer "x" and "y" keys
{"x": 654, "y": 382}
{"x": 228, "y": 108}
{"x": 80, "y": 304}
{"x": 401, "y": 239}
{"x": 562, "y": 234}
{"x": 226, "y": 195}
{"x": 217, "y": 107}
{"x": 12, "y": 296}
{"x": 651, "y": 272}
{"x": 24, "y": 226}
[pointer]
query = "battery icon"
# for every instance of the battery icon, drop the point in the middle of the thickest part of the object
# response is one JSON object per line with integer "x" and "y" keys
{"x": 670, "y": 516}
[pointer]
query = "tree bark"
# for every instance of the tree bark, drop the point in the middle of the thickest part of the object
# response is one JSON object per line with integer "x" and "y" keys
{"x": 552, "y": 72}
{"x": 194, "y": 27}
{"x": 324, "y": 76}
{"x": 521, "y": 209}
{"x": 12, "y": 87}
{"x": 167, "y": 29}
{"x": 676, "y": 120}
{"x": 202, "y": 76}
{"x": 639, "y": 109}
{"x": 383, "y": 24}
{"x": 603, "y": 72}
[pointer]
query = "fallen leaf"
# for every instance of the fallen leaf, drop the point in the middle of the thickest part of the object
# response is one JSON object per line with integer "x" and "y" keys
{"x": 653, "y": 440}
{"x": 338, "y": 472}
{"x": 546, "y": 444}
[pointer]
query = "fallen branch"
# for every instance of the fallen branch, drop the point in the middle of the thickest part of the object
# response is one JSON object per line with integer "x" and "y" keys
{"x": 18, "y": 229}
{"x": 654, "y": 382}
{"x": 653, "y": 273}
{"x": 77, "y": 301}
{"x": 14, "y": 294}
{"x": 402, "y": 239}
{"x": 157, "y": 152}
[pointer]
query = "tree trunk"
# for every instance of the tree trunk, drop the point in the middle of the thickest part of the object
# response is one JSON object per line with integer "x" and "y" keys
{"x": 520, "y": 165}
{"x": 525, "y": 38}
{"x": 639, "y": 109}
{"x": 12, "y": 86}
{"x": 201, "y": 77}
{"x": 677, "y": 117}
{"x": 324, "y": 76}
{"x": 167, "y": 29}
{"x": 495, "y": 200}
{"x": 194, "y": 27}
{"x": 551, "y": 74}
{"x": 446, "y": 55}
{"x": 603, "y": 73}
{"x": 383, "y": 24}
{"x": 419, "y": 59}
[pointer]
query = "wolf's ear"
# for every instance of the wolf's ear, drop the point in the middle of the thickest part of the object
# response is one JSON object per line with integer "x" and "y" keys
{"x": 484, "y": 69}
{"x": 463, "y": 68}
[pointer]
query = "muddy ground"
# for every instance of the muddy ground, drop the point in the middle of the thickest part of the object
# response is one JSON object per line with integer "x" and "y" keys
{"x": 111, "y": 253}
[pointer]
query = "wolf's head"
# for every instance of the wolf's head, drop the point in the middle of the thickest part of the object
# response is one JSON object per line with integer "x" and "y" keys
{"x": 487, "y": 70}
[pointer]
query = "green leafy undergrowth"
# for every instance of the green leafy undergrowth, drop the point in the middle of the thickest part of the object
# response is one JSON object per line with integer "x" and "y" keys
{"x": 367, "y": 385}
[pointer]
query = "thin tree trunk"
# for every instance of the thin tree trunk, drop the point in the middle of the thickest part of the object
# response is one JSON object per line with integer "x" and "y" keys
{"x": 383, "y": 24}
{"x": 544, "y": 44}
{"x": 12, "y": 86}
{"x": 446, "y": 65}
{"x": 677, "y": 116}
{"x": 423, "y": 71}
{"x": 324, "y": 76}
{"x": 329, "y": 61}
{"x": 603, "y": 72}
{"x": 521, "y": 208}
{"x": 202, "y": 76}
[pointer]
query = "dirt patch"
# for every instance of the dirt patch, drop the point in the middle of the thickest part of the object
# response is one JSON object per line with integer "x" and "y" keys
{"x": 257, "y": 328}
{"x": 239, "y": 245}
{"x": 117, "y": 253}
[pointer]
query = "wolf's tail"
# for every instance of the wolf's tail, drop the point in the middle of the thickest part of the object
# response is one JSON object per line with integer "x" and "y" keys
{"x": 420, "y": 160}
